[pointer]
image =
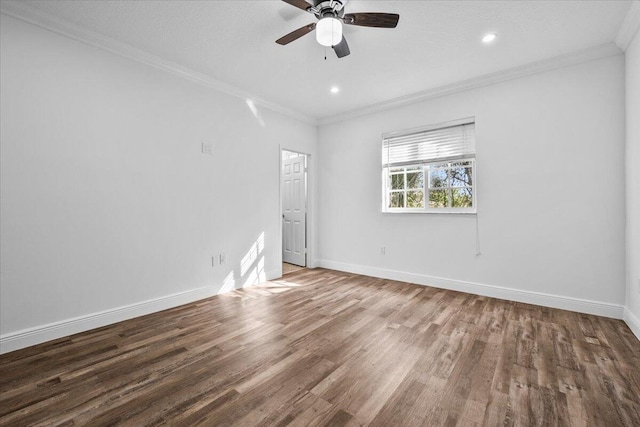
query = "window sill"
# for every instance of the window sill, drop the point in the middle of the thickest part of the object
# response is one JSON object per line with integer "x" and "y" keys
{"x": 412, "y": 212}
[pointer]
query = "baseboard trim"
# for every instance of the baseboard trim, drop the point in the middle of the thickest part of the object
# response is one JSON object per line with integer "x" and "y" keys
{"x": 273, "y": 274}
{"x": 538, "y": 298}
{"x": 632, "y": 321}
{"x": 39, "y": 334}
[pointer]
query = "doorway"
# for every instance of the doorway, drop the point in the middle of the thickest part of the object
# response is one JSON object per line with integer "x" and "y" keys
{"x": 294, "y": 207}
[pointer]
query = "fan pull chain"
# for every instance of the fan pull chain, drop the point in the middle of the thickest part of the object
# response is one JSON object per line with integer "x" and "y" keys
{"x": 325, "y": 53}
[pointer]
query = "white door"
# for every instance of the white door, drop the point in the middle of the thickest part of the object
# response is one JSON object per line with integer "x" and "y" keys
{"x": 294, "y": 210}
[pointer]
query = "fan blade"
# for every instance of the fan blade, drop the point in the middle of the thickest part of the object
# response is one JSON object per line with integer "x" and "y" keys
{"x": 380, "y": 20}
{"x": 300, "y": 4}
{"x": 342, "y": 48}
{"x": 295, "y": 35}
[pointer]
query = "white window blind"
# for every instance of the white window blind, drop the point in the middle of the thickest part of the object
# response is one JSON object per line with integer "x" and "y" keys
{"x": 430, "y": 169}
{"x": 451, "y": 142}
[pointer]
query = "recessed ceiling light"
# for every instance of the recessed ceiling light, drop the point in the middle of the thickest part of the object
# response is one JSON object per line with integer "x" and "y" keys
{"x": 335, "y": 89}
{"x": 489, "y": 38}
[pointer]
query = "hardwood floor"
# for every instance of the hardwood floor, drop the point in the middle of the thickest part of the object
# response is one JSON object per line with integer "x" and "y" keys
{"x": 320, "y": 347}
{"x": 290, "y": 268}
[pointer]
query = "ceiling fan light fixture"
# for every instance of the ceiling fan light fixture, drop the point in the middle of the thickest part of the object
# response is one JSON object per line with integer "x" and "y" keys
{"x": 329, "y": 31}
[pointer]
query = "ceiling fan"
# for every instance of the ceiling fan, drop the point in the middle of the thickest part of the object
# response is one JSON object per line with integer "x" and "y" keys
{"x": 331, "y": 16}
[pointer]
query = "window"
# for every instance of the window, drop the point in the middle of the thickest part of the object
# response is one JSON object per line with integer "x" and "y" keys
{"x": 430, "y": 169}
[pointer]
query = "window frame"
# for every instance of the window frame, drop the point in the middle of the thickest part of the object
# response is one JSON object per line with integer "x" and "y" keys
{"x": 425, "y": 167}
{"x": 406, "y": 189}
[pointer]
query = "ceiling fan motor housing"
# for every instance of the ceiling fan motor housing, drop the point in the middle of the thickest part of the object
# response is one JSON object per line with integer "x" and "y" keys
{"x": 330, "y": 8}
{"x": 336, "y": 4}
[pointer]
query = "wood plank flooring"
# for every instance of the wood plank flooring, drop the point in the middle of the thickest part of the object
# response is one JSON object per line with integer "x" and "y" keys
{"x": 290, "y": 268}
{"x": 321, "y": 347}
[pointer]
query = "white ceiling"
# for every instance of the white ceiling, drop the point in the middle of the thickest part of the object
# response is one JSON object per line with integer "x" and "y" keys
{"x": 436, "y": 43}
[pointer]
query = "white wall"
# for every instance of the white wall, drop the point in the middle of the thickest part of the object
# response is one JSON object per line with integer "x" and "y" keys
{"x": 632, "y": 155}
{"x": 550, "y": 174}
{"x": 107, "y": 200}
{"x": 109, "y": 208}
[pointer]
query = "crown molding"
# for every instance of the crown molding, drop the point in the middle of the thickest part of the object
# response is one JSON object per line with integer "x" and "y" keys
{"x": 28, "y": 14}
{"x": 33, "y": 16}
{"x": 629, "y": 26}
{"x": 598, "y": 52}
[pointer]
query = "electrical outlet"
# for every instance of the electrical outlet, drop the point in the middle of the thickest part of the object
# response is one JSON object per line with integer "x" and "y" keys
{"x": 207, "y": 148}
{"x": 222, "y": 258}
{"x": 213, "y": 261}
{"x": 383, "y": 250}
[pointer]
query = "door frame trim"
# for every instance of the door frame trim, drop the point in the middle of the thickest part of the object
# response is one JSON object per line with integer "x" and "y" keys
{"x": 309, "y": 196}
